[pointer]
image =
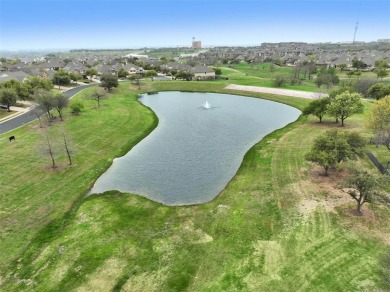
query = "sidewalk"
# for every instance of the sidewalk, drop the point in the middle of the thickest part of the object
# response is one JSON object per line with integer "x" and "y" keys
{"x": 16, "y": 111}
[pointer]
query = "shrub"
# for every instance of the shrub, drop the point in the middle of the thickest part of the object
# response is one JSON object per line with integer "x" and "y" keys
{"x": 76, "y": 107}
{"x": 279, "y": 80}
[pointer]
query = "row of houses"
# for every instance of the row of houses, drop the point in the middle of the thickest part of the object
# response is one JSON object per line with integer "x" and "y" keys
{"x": 292, "y": 54}
{"x": 47, "y": 69}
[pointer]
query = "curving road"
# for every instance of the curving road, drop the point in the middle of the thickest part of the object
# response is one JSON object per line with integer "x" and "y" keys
{"x": 29, "y": 116}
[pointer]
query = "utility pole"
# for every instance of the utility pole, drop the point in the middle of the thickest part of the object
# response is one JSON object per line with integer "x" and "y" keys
{"x": 354, "y": 35}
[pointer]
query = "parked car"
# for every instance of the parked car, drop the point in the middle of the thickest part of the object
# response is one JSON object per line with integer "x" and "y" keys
{"x": 3, "y": 106}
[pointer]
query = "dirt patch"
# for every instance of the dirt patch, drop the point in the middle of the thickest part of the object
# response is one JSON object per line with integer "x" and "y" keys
{"x": 324, "y": 191}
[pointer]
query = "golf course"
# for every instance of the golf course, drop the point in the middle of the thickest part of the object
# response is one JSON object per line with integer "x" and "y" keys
{"x": 279, "y": 225}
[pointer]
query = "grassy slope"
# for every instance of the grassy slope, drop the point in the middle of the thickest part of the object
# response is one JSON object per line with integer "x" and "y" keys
{"x": 32, "y": 194}
{"x": 251, "y": 236}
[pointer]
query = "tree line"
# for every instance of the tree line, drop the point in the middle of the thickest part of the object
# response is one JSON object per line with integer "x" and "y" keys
{"x": 336, "y": 145}
{"x": 46, "y": 99}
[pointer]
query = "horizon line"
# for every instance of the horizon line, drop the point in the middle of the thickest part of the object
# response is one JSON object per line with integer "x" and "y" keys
{"x": 184, "y": 46}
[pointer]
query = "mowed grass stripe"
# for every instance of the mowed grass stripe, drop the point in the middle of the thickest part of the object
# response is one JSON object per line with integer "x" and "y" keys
{"x": 242, "y": 240}
{"x": 31, "y": 205}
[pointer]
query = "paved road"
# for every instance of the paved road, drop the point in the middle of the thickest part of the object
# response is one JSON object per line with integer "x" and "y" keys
{"x": 29, "y": 116}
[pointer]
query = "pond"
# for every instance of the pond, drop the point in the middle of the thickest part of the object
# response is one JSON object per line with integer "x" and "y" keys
{"x": 197, "y": 147}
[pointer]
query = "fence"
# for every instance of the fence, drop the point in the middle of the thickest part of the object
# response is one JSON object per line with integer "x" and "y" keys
{"x": 378, "y": 165}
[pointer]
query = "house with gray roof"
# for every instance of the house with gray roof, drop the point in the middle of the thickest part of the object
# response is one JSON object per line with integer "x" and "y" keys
{"x": 104, "y": 69}
{"x": 17, "y": 75}
{"x": 133, "y": 69}
{"x": 202, "y": 72}
{"x": 75, "y": 67}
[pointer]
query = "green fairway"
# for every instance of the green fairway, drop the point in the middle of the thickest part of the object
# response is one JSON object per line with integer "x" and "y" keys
{"x": 277, "y": 226}
{"x": 261, "y": 75}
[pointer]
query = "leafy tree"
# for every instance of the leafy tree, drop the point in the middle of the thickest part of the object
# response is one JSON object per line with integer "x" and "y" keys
{"x": 122, "y": 73}
{"x": 317, "y": 108}
{"x": 217, "y": 71}
{"x": 336, "y": 91}
{"x": 322, "y": 158}
{"x": 184, "y": 75}
{"x": 379, "y": 90}
{"x": 151, "y": 74}
{"x": 8, "y": 96}
{"x": 60, "y": 102}
{"x": 75, "y": 77}
{"x": 381, "y": 73}
{"x": 339, "y": 90}
{"x": 45, "y": 100}
{"x": 98, "y": 95}
{"x": 109, "y": 81}
{"x": 35, "y": 83}
{"x": 335, "y": 146}
{"x": 344, "y": 105}
{"x": 363, "y": 184}
{"x": 61, "y": 77}
{"x": 378, "y": 120}
{"x": 164, "y": 60}
{"x": 67, "y": 61}
{"x": 342, "y": 67}
{"x": 327, "y": 76}
{"x": 357, "y": 143}
{"x": 358, "y": 64}
{"x": 381, "y": 64}
{"x": 91, "y": 72}
{"x": 21, "y": 89}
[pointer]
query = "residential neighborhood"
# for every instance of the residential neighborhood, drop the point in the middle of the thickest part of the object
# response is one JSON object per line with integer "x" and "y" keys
{"x": 198, "y": 64}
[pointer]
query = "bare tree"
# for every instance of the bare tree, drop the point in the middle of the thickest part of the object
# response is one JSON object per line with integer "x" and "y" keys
{"x": 98, "y": 95}
{"x": 68, "y": 151}
{"x": 45, "y": 99}
{"x": 38, "y": 112}
{"x": 50, "y": 151}
{"x": 60, "y": 102}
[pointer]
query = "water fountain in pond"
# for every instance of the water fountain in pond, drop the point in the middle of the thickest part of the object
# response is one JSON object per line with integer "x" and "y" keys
{"x": 206, "y": 105}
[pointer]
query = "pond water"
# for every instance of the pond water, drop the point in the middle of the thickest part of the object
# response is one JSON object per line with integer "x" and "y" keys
{"x": 197, "y": 147}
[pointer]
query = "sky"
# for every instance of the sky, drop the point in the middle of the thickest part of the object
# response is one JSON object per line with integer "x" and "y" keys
{"x": 120, "y": 24}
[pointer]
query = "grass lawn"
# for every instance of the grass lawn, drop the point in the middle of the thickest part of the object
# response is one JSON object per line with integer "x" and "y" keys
{"x": 275, "y": 227}
{"x": 261, "y": 75}
{"x": 4, "y": 113}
